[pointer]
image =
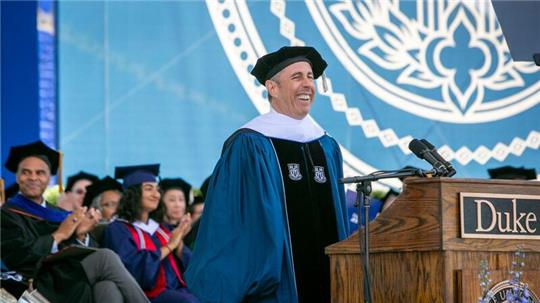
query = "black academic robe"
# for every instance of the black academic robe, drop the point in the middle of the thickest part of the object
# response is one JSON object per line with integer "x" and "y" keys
{"x": 26, "y": 242}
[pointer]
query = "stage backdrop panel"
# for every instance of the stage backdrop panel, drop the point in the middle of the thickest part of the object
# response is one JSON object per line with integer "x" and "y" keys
{"x": 168, "y": 81}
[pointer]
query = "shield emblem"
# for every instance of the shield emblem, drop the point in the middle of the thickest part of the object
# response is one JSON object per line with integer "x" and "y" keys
{"x": 294, "y": 171}
{"x": 319, "y": 174}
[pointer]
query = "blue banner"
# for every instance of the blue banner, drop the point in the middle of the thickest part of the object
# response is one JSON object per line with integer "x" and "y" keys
{"x": 168, "y": 81}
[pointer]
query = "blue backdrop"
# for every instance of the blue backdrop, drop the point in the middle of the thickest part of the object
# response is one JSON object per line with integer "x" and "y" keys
{"x": 168, "y": 81}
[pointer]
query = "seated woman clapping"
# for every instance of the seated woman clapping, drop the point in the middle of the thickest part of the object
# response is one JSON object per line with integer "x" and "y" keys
{"x": 150, "y": 252}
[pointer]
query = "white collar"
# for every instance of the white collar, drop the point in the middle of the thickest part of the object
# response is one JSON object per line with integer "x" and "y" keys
{"x": 276, "y": 125}
{"x": 149, "y": 227}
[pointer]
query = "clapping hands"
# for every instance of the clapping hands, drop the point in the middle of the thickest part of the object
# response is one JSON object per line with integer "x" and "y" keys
{"x": 178, "y": 234}
{"x": 88, "y": 222}
{"x": 80, "y": 222}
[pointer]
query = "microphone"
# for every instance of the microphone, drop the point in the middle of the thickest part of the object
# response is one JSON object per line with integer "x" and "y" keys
{"x": 435, "y": 153}
{"x": 423, "y": 152}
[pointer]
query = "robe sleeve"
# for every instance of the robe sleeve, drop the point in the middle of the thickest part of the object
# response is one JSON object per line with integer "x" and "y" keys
{"x": 142, "y": 264}
{"x": 24, "y": 244}
{"x": 239, "y": 251}
{"x": 183, "y": 262}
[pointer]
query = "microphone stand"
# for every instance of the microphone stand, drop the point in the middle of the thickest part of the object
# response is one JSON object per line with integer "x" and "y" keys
{"x": 363, "y": 190}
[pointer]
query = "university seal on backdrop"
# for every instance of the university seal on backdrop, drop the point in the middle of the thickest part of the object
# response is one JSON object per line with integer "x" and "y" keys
{"x": 397, "y": 70}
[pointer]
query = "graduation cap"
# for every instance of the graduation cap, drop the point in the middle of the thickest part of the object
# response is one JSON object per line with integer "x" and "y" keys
{"x": 511, "y": 172}
{"x": 37, "y": 149}
{"x": 11, "y": 190}
{"x": 270, "y": 64}
{"x": 80, "y": 176}
{"x": 177, "y": 183}
{"x": 100, "y": 186}
{"x": 137, "y": 174}
{"x": 204, "y": 186}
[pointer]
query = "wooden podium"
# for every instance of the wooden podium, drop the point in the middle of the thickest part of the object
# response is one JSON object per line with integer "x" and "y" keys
{"x": 417, "y": 253}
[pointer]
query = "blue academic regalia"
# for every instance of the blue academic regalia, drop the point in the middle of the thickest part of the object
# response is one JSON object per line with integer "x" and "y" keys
{"x": 144, "y": 264}
{"x": 243, "y": 249}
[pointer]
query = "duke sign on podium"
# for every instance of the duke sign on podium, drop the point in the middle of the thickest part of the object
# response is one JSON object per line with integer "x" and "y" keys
{"x": 485, "y": 215}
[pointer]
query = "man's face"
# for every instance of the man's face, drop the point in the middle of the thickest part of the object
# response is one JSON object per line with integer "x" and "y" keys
{"x": 293, "y": 90}
{"x": 33, "y": 176}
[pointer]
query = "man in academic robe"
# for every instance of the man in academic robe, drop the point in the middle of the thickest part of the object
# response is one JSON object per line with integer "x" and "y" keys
{"x": 37, "y": 238}
{"x": 273, "y": 202}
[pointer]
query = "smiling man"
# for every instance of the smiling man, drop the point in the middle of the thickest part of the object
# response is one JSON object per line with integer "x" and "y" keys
{"x": 37, "y": 238}
{"x": 273, "y": 202}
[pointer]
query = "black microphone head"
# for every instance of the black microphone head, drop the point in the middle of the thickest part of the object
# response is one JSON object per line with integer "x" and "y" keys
{"x": 418, "y": 148}
{"x": 433, "y": 150}
{"x": 427, "y": 144}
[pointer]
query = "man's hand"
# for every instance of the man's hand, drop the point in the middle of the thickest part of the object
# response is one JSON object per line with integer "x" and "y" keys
{"x": 68, "y": 226}
{"x": 88, "y": 222}
{"x": 67, "y": 201}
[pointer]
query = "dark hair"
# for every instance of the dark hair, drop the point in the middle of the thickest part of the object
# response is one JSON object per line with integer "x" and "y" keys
{"x": 198, "y": 200}
{"x": 73, "y": 179}
{"x": 160, "y": 211}
{"x": 130, "y": 203}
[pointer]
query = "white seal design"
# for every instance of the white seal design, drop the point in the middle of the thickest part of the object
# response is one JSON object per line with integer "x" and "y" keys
{"x": 294, "y": 171}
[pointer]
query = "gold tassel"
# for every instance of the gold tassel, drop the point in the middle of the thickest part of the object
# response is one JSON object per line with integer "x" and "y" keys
{"x": 2, "y": 192}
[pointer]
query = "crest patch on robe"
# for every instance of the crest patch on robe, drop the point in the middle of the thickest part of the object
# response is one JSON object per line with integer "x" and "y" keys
{"x": 319, "y": 174}
{"x": 294, "y": 171}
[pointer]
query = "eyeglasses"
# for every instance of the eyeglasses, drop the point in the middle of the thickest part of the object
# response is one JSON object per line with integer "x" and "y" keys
{"x": 110, "y": 204}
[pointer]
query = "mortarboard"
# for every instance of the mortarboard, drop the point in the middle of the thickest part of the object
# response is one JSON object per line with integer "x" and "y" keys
{"x": 136, "y": 174}
{"x": 510, "y": 172}
{"x": 177, "y": 183}
{"x": 39, "y": 149}
{"x": 270, "y": 64}
{"x": 11, "y": 190}
{"x": 204, "y": 186}
{"x": 80, "y": 176}
{"x": 100, "y": 186}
